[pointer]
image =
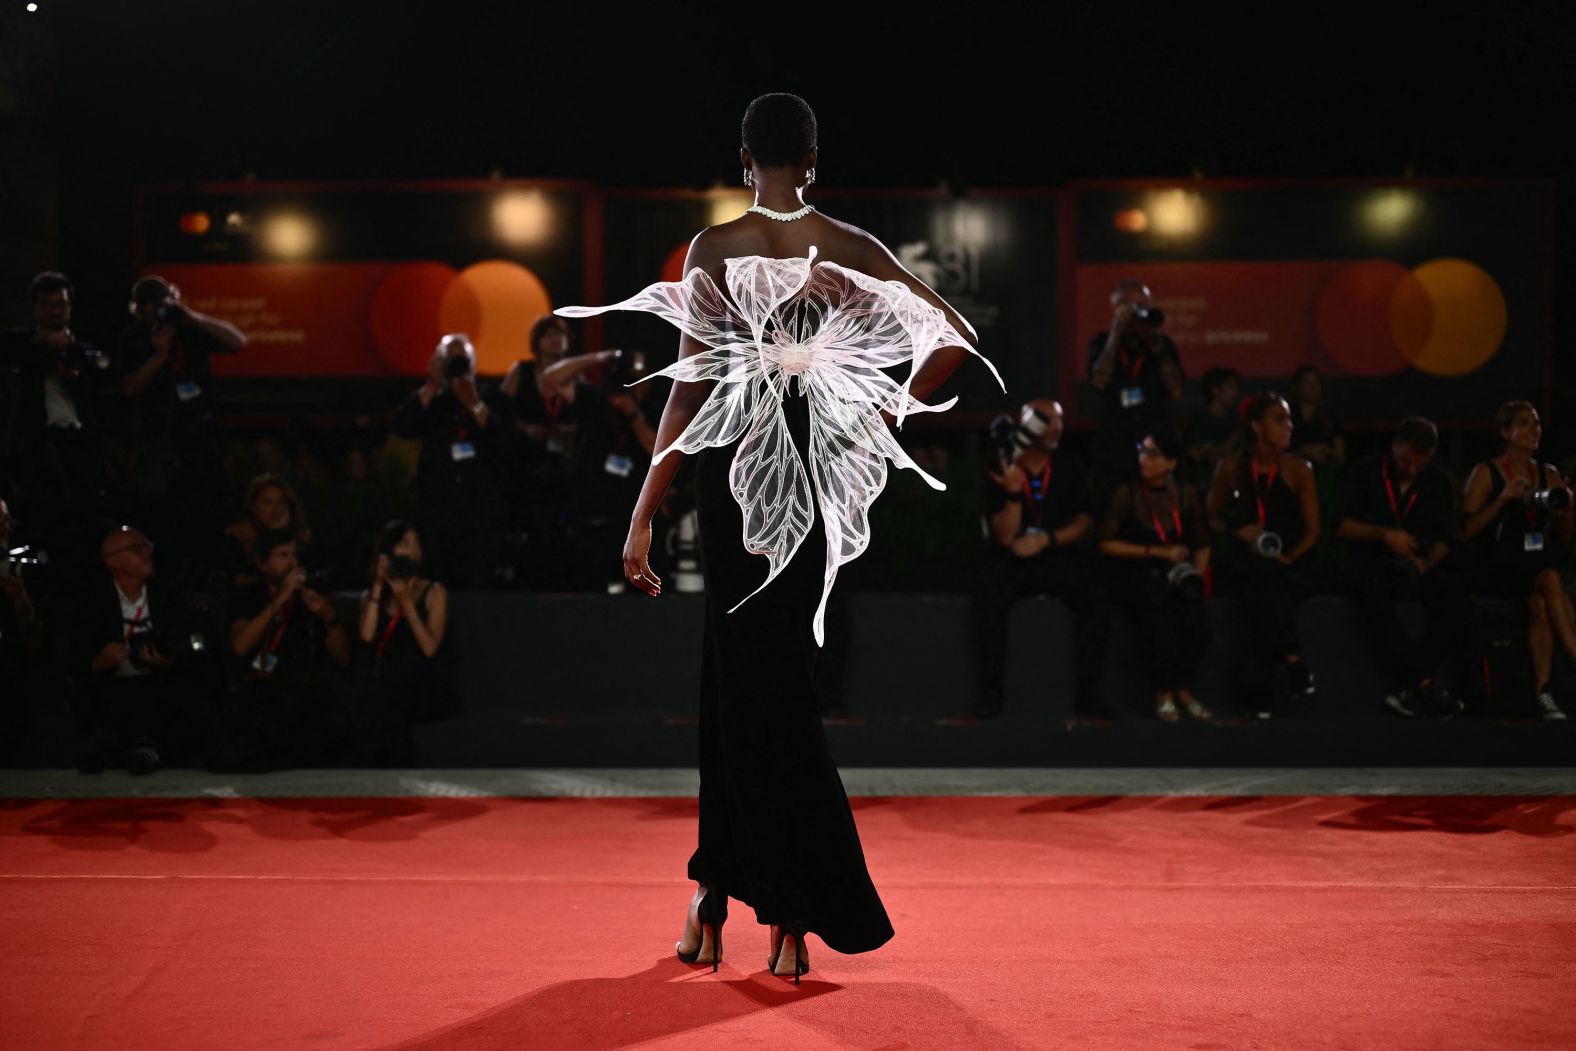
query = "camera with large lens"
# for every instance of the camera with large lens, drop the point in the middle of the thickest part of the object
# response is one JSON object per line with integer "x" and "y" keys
{"x": 77, "y": 356}
{"x": 1185, "y": 580}
{"x": 456, "y": 367}
{"x": 1267, "y": 544}
{"x": 169, "y": 313}
{"x": 1551, "y": 500}
{"x": 1150, "y": 315}
{"x": 12, "y": 561}
{"x": 1010, "y": 437}
{"x": 402, "y": 567}
{"x": 627, "y": 366}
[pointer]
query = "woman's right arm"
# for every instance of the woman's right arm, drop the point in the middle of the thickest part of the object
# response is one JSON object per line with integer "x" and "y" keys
{"x": 1477, "y": 508}
{"x": 684, "y": 400}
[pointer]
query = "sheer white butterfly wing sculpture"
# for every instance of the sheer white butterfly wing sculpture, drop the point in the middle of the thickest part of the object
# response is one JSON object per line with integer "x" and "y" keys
{"x": 830, "y": 330}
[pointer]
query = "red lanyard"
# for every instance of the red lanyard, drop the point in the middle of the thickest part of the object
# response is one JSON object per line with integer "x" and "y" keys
{"x": 1038, "y": 493}
{"x": 136, "y": 618}
{"x": 1176, "y": 515}
{"x": 284, "y": 622}
{"x": 1134, "y": 367}
{"x": 1258, "y": 492}
{"x": 388, "y": 632}
{"x": 554, "y": 405}
{"x": 1532, "y": 519}
{"x": 1389, "y": 489}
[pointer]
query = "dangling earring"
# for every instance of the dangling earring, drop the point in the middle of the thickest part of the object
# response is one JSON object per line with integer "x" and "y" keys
{"x": 749, "y": 179}
{"x": 812, "y": 177}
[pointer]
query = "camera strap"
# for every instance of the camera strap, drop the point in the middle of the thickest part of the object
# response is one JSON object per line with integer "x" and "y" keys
{"x": 1260, "y": 491}
{"x": 1389, "y": 490}
{"x": 284, "y": 622}
{"x": 136, "y": 618}
{"x": 1176, "y": 513}
{"x": 388, "y": 632}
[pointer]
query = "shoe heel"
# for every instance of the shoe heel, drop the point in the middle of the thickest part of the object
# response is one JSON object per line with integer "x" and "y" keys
{"x": 712, "y": 914}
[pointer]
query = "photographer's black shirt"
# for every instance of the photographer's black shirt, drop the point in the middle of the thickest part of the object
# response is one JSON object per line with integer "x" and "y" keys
{"x": 1052, "y": 499}
{"x": 179, "y": 396}
{"x": 1136, "y": 399}
{"x": 458, "y": 451}
{"x": 292, "y": 651}
{"x": 25, "y": 364}
{"x": 1426, "y": 509}
{"x": 1142, "y": 514}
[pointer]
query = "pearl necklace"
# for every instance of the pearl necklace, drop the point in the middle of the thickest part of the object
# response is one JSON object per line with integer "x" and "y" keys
{"x": 782, "y": 217}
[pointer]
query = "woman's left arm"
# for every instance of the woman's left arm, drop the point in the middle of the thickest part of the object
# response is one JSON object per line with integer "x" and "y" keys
{"x": 428, "y": 633}
{"x": 1300, "y": 474}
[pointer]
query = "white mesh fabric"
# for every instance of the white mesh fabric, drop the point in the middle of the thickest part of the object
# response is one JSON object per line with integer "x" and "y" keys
{"x": 829, "y": 332}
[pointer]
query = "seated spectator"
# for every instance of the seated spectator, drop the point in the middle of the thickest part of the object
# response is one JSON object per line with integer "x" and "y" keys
{"x": 1039, "y": 516}
{"x": 1315, "y": 433}
{"x": 1156, "y": 546}
{"x": 1264, "y": 512}
{"x": 287, "y": 647}
{"x": 459, "y": 501}
{"x": 1516, "y": 508}
{"x": 270, "y": 503}
{"x": 1398, "y": 520}
{"x": 133, "y": 639}
{"x": 1214, "y": 430}
{"x": 409, "y": 670}
{"x": 21, "y": 640}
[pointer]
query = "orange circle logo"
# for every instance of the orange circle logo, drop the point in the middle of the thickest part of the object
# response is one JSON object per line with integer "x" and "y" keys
{"x": 1446, "y": 317}
{"x": 494, "y": 302}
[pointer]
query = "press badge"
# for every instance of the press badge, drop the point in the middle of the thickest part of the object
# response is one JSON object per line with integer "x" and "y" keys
{"x": 265, "y": 663}
{"x": 186, "y": 390}
{"x": 556, "y": 447}
{"x": 618, "y": 465}
{"x": 1132, "y": 397}
{"x": 1532, "y": 542}
{"x": 462, "y": 451}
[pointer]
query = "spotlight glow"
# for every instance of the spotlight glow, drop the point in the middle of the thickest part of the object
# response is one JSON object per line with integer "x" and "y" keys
{"x": 289, "y": 235}
{"x": 1391, "y": 213}
{"x": 521, "y": 218}
{"x": 195, "y": 223}
{"x": 31, "y": 8}
{"x": 1175, "y": 213}
{"x": 1131, "y": 220}
{"x": 728, "y": 205}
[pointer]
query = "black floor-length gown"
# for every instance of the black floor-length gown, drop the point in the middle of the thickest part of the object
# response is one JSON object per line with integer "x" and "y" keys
{"x": 776, "y": 831}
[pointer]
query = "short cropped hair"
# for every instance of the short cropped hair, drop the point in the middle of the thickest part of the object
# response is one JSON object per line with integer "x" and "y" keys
{"x": 778, "y": 129}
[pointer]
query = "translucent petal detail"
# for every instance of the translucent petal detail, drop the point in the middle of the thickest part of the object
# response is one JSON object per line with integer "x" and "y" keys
{"x": 824, "y": 330}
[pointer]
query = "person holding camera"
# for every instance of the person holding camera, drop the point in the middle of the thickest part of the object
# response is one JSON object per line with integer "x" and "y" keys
{"x": 1039, "y": 516}
{"x": 288, "y": 647}
{"x": 1516, "y": 508}
{"x": 409, "y": 673}
{"x": 458, "y": 475}
{"x": 133, "y": 641}
{"x": 1136, "y": 370}
{"x": 1264, "y": 511}
{"x": 50, "y": 389}
{"x": 1156, "y": 545}
{"x": 1398, "y": 521}
{"x": 164, "y": 359}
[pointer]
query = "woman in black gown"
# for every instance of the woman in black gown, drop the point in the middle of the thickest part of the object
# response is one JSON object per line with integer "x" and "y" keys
{"x": 776, "y": 830}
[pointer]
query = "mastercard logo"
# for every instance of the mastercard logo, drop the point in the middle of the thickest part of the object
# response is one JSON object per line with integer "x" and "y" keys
{"x": 495, "y": 302}
{"x": 1446, "y": 317}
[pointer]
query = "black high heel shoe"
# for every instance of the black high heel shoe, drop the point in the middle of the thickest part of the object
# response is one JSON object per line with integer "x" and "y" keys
{"x": 712, "y": 912}
{"x": 801, "y": 958}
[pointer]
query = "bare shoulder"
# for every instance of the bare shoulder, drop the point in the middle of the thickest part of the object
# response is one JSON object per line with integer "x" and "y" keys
{"x": 1296, "y": 467}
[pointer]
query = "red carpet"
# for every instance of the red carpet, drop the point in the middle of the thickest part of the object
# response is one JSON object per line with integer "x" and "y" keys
{"x": 1199, "y": 923}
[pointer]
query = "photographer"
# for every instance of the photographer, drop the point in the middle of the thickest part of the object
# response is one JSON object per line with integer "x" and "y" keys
{"x": 410, "y": 671}
{"x": 458, "y": 502}
{"x": 1398, "y": 519}
{"x": 1137, "y": 372}
{"x": 21, "y": 639}
{"x": 1515, "y": 509}
{"x": 133, "y": 640}
{"x": 165, "y": 364}
{"x": 1264, "y": 510}
{"x": 288, "y": 648}
{"x": 1039, "y": 518}
{"x": 50, "y": 386}
{"x": 614, "y": 448}
{"x": 1156, "y": 547}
